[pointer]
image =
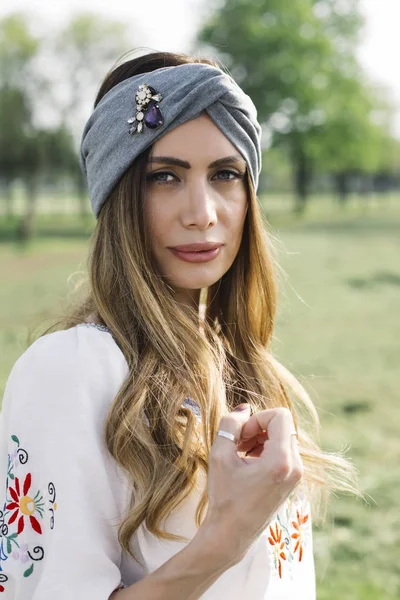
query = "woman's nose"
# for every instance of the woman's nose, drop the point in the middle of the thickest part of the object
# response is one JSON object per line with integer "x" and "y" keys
{"x": 199, "y": 209}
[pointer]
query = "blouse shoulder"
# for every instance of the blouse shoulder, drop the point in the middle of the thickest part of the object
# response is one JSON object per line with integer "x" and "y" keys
{"x": 79, "y": 358}
{"x": 69, "y": 346}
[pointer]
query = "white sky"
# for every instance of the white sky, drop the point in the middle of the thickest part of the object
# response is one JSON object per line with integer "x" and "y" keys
{"x": 170, "y": 25}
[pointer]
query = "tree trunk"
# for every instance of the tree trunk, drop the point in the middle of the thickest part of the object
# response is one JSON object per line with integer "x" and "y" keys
{"x": 8, "y": 195}
{"x": 342, "y": 187}
{"x": 82, "y": 196}
{"x": 25, "y": 229}
{"x": 302, "y": 179}
{"x": 366, "y": 185}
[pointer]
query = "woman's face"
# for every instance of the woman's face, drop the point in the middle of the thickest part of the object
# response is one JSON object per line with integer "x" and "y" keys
{"x": 196, "y": 194}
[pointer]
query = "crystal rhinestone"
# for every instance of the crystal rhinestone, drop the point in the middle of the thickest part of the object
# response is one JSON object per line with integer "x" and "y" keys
{"x": 133, "y": 128}
{"x": 157, "y": 98}
{"x": 140, "y": 116}
{"x": 153, "y": 117}
{"x": 141, "y": 95}
{"x": 138, "y": 107}
{"x": 140, "y": 126}
{"x": 132, "y": 120}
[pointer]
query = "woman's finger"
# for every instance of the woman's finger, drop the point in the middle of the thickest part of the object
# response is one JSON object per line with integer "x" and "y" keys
{"x": 246, "y": 445}
{"x": 277, "y": 422}
{"x": 231, "y": 423}
{"x": 255, "y": 451}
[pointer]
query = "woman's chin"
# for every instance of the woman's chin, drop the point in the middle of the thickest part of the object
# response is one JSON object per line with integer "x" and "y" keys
{"x": 194, "y": 283}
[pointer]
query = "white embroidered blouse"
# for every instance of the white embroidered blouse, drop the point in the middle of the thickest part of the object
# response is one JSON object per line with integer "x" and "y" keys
{"x": 62, "y": 495}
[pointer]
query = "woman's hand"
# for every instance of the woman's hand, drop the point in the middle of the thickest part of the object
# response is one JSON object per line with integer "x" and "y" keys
{"x": 252, "y": 438}
{"x": 246, "y": 492}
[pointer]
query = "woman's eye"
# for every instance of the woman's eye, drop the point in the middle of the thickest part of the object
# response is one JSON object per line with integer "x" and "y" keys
{"x": 161, "y": 177}
{"x": 227, "y": 173}
{"x": 166, "y": 178}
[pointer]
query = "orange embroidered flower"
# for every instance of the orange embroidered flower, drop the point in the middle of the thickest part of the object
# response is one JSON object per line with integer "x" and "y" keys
{"x": 299, "y": 533}
{"x": 24, "y": 504}
{"x": 278, "y": 546}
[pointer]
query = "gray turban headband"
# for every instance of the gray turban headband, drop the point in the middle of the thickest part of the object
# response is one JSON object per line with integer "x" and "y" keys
{"x": 119, "y": 128}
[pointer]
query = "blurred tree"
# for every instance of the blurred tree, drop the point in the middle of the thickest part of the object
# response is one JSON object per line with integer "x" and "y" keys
{"x": 83, "y": 52}
{"x": 276, "y": 172}
{"x": 348, "y": 142}
{"x": 389, "y": 163}
{"x": 14, "y": 117}
{"x": 40, "y": 129}
{"x": 18, "y": 49}
{"x": 27, "y": 151}
{"x": 296, "y": 60}
{"x": 342, "y": 21}
{"x": 48, "y": 154}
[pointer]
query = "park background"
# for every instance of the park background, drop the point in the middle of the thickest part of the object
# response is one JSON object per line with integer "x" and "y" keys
{"x": 323, "y": 76}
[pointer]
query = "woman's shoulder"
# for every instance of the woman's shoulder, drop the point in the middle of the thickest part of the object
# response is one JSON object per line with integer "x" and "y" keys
{"x": 83, "y": 345}
{"x": 82, "y": 362}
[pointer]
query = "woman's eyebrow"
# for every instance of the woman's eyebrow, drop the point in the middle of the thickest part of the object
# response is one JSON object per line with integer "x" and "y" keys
{"x": 171, "y": 160}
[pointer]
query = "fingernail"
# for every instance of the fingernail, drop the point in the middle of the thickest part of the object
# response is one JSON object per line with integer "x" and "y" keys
{"x": 243, "y": 406}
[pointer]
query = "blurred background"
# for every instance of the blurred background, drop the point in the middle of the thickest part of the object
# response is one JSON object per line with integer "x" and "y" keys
{"x": 325, "y": 79}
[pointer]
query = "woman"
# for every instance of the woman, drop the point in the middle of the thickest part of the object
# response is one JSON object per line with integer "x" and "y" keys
{"x": 150, "y": 449}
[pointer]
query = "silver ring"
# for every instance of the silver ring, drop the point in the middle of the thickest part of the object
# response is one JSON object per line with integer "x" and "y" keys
{"x": 227, "y": 435}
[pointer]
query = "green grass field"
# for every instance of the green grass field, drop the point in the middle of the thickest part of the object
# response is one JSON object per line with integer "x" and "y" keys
{"x": 338, "y": 330}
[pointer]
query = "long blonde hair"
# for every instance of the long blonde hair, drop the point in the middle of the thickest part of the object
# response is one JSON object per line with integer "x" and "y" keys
{"x": 172, "y": 353}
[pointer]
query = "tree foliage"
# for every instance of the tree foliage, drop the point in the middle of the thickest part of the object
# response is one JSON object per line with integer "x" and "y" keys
{"x": 32, "y": 146}
{"x": 85, "y": 49}
{"x": 296, "y": 59}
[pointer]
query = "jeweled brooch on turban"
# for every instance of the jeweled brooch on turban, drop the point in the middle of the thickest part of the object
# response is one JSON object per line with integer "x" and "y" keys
{"x": 147, "y": 110}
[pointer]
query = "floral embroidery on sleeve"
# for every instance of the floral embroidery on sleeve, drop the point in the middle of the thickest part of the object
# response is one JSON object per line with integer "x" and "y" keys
{"x": 278, "y": 545}
{"x": 300, "y": 532}
{"x": 24, "y": 505}
{"x": 24, "y": 509}
{"x": 289, "y": 534}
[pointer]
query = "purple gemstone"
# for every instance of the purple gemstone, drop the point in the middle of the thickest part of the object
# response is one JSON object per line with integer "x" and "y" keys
{"x": 153, "y": 117}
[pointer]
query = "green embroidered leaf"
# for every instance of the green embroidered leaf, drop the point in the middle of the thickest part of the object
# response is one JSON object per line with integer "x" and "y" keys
{"x": 11, "y": 476}
{"x": 12, "y": 536}
{"x": 8, "y": 547}
{"x": 15, "y": 439}
{"x": 29, "y": 571}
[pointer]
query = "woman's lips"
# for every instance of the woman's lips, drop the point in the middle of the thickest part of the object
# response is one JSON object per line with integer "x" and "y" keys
{"x": 196, "y": 257}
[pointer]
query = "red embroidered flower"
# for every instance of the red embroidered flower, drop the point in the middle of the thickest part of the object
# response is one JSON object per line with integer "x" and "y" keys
{"x": 24, "y": 504}
{"x": 299, "y": 533}
{"x": 276, "y": 541}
